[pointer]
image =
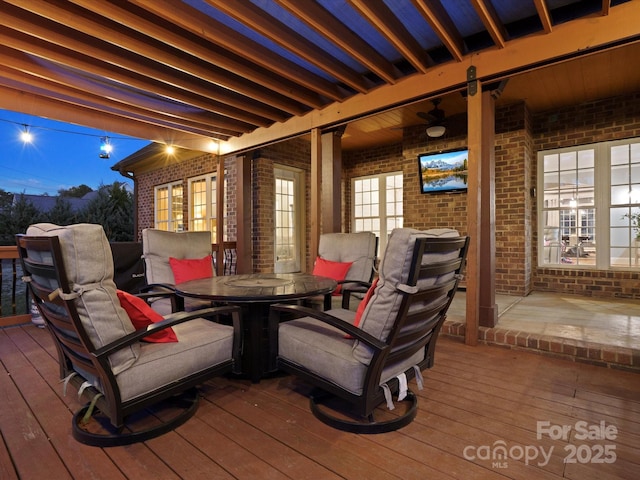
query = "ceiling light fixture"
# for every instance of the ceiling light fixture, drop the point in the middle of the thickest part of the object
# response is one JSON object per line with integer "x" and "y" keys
{"x": 436, "y": 131}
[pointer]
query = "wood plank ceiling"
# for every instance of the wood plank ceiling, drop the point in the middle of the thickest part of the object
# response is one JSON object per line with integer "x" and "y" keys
{"x": 252, "y": 72}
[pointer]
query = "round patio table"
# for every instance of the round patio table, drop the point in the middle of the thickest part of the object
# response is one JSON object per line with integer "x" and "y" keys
{"x": 255, "y": 293}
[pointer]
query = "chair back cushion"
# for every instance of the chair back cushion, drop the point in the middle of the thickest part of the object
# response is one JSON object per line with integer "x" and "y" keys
{"x": 88, "y": 266}
{"x": 159, "y": 245}
{"x": 358, "y": 248}
{"x": 382, "y": 310}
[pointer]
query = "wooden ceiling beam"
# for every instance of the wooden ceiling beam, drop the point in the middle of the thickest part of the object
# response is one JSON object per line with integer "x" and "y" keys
{"x": 87, "y": 54}
{"x": 276, "y": 31}
{"x": 543, "y": 13}
{"x": 383, "y": 19}
{"x": 569, "y": 40}
{"x": 491, "y": 21}
{"x": 113, "y": 108}
{"x": 21, "y": 68}
{"x": 64, "y": 59}
{"x": 216, "y": 32}
{"x": 208, "y": 52}
{"x": 333, "y": 29}
{"x": 68, "y": 15}
{"x": 18, "y": 100}
{"x": 441, "y": 23}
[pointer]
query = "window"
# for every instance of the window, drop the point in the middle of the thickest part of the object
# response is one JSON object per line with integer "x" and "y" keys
{"x": 377, "y": 205}
{"x": 625, "y": 204}
{"x": 586, "y": 211}
{"x": 168, "y": 207}
{"x": 203, "y": 204}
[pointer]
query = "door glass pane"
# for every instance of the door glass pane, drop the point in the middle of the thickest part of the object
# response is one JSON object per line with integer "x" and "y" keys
{"x": 199, "y": 205}
{"x": 287, "y": 221}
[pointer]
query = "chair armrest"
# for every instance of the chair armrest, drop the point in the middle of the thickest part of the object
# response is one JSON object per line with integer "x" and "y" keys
{"x": 170, "y": 321}
{"x": 165, "y": 290}
{"x": 358, "y": 287}
{"x": 355, "y": 286}
{"x": 158, "y": 288}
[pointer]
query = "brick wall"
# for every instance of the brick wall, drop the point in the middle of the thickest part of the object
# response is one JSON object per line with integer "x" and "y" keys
{"x": 182, "y": 171}
{"x": 591, "y": 122}
{"x": 520, "y": 134}
{"x": 295, "y": 154}
{"x": 422, "y": 211}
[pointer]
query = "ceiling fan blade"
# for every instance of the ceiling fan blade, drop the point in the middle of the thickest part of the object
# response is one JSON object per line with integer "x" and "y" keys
{"x": 426, "y": 116}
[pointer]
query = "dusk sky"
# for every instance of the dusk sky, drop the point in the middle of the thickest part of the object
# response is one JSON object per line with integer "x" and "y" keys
{"x": 60, "y": 156}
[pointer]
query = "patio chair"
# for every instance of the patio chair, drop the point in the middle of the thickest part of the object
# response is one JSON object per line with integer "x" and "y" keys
{"x": 357, "y": 363}
{"x": 126, "y": 373}
{"x": 349, "y": 258}
{"x": 189, "y": 250}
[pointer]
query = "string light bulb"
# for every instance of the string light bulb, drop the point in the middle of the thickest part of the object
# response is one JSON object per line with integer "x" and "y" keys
{"x": 105, "y": 147}
{"x": 170, "y": 150}
{"x": 25, "y": 135}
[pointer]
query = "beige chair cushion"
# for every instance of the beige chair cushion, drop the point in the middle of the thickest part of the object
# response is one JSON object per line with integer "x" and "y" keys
{"x": 159, "y": 245}
{"x": 359, "y": 248}
{"x": 89, "y": 268}
{"x": 201, "y": 344}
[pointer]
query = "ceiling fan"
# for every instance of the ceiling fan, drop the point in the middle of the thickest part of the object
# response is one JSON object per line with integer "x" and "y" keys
{"x": 436, "y": 123}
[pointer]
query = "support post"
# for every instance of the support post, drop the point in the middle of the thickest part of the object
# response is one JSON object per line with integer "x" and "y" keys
{"x": 244, "y": 244}
{"x": 220, "y": 196}
{"x": 316, "y": 195}
{"x": 331, "y": 181}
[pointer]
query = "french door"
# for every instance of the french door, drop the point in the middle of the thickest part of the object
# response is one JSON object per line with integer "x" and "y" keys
{"x": 288, "y": 220}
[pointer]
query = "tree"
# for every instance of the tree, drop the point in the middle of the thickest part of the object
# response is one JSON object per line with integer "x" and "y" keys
{"x": 62, "y": 213}
{"x": 113, "y": 209}
{"x": 6, "y": 199}
{"x": 16, "y": 217}
{"x": 77, "y": 192}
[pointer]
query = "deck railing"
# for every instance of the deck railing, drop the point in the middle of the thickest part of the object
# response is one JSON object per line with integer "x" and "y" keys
{"x": 230, "y": 254}
{"x": 15, "y": 307}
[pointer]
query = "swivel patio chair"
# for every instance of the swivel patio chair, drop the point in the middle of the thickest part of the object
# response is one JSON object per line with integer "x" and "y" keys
{"x": 69, "y": 272}
{"x": 353, "y": 253}
{"x": 158, "y": 247}
{"x": 356, "y": 364}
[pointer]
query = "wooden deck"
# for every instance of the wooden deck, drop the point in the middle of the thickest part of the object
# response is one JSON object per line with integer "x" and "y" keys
{"x": 476, "y": 400}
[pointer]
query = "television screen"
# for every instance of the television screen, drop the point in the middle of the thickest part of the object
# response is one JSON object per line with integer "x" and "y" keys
{"x": 444, "y": 171}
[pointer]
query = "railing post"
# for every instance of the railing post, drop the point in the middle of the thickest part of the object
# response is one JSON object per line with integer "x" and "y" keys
{"x": 12, "y": 312}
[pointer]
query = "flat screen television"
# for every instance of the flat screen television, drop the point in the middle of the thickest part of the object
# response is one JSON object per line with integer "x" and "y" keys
{"x": 444, "y": 171}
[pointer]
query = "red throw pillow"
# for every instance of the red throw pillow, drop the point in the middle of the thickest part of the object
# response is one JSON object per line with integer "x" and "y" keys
{"x": 142, "y": 315}
{"x": 362, "y": 305}
{"x": 335, "y": 270}
{"x": 186, "y": 269}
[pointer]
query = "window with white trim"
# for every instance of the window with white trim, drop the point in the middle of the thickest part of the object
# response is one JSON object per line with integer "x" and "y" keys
{"x": 377, "y": 205}
{"x": 203, "y": 204}
{"x": 167, "y": 201}
{"x": 590, "y": 206}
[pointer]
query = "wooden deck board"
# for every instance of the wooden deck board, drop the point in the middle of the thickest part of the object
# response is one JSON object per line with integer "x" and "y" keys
{"x": 473, "y": 397}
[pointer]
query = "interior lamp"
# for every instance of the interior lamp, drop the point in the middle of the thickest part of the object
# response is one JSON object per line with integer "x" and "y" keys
{"x": 436, "y": 131}
{"x": 105, "y": 147}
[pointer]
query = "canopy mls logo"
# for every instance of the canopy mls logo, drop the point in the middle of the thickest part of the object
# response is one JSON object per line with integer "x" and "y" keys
{"x": 500, "y": 453}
